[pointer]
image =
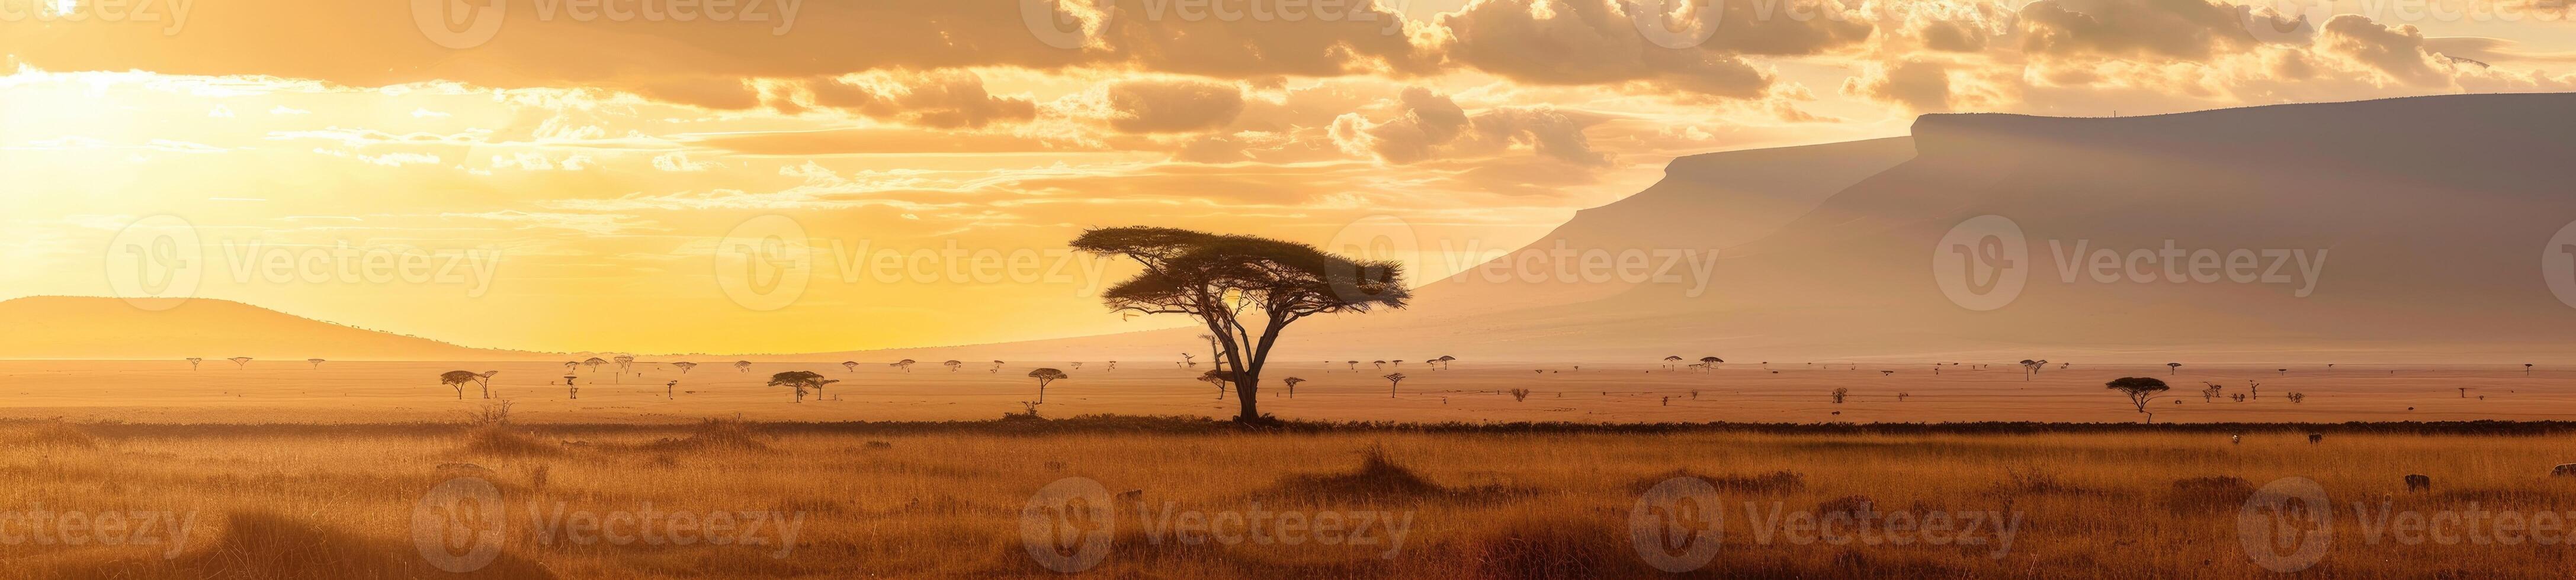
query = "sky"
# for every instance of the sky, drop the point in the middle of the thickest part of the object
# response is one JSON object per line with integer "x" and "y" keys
{"x": 674, "y": 176}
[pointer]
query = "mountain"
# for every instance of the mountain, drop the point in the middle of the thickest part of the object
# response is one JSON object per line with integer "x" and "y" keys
{"x": 64, "y": 327}
{"x": 2421, "y": 229}
{"x": 2426, "y": 223}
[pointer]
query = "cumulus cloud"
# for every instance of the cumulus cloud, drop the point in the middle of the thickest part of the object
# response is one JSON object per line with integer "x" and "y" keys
{"x": 2397, "y": 52}
{"x": 2163, "y": 29}
{"x": 1166, "y": 105}
{"x": 1428, "y": 126}
{"x": 937, "y": 99}
{"x": 1919, "y": 86}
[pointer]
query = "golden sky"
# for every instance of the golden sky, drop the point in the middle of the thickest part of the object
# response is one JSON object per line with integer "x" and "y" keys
{"x": 575, "y": 174}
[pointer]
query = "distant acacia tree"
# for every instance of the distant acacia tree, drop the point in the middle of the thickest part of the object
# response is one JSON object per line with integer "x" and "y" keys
{"x": 317, "y": 363}
{"x": 1292, "y": 385}
{"x": 1669, "y": 360}
{"x": 192, "y": 362}
{"x": 1381, "y": 365}
{"x": 953, "y": 365}
{"x": 1077, "y": 365}
{"x": 1189, "y": 360}
{"x": 1444, "y": 361}
{"x": 1355, "y": 365}
{"x": 905, "y": 364}
{"x": 457, "y": 380}
{"x": 2031, "y": 367}
{"x": 572, "y": 365}
{"x": 997, "y": 367}
{"x": 625, "y": 363}
{"x": 240, "y": 362}
{"x": 1113, "y": 365}
{"x": 2176, "y": 368}
{"x": 1707, "y": 363}
{"x": 1839, "y": 393}
{"x": 742, "y": 366}
{"x": 685, "y": 366}
{"x": 1392, "y": 380}
{"x": 1244, "y": 289}
{"x": 800, "y": 381}
{"x": 2526, "y": 369}
{"x": 1215, "y": 378}
{"x": 849, "y": 366}
{"x": 594, "y": 363}
{"x": 1044, "y": 376}
{"x": 2140, "y": 390}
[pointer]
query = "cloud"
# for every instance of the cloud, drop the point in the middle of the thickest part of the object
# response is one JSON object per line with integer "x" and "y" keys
{"x": 1919, "y": 86}
{"x": 937, "y": 99}
{"x": 1590, "y": 42}
{"x": 1168, "y": 106}
{"x": 2191, "y": 30}
{"x": 2396, "y": 52}
{"x": 1429, "y": 126}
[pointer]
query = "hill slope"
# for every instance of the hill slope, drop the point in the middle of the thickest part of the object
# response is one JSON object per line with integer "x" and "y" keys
{"x": 63, "y": 327}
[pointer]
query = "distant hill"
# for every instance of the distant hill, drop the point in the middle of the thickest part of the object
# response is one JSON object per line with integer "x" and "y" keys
{"x": 64, "y": 327}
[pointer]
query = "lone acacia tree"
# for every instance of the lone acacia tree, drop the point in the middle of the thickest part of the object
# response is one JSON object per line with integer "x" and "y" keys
{"x": 1292, "y": 385}
{"x": 457, "y": 379}
{"x": 1044, "y": 376}
{"x": 240, "y": 362}
{"x": 800, "y": 380}
{"x": 317, "y": 363}
{"x": 849, "y": 366}
{"x": 192, "y": 362}
{"x": 2139, "y": 389}
{"x": 1392, "y": 380}
{"x": 685, "y": 366}
{"x": 1243, "y": 289}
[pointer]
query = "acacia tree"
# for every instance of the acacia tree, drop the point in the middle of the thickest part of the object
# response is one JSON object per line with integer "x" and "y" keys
{"x": 1706, "y": 363}
{"x": 1292, "y": 385}
{"x": 1444, "y": 361}
{"x": 1044, "y": 376}
{"x": 2139, "y": 389}
{"x": 594, "y": 363}
{"x": 997, "y": 367}
{"x": 571, "y": 365}
{"x": 1392, "y": 379}
{"x": 2176, "y": 368}
{"x": 1355, "y": 365}
{"x": 240, "y": 362}
{"x": 800, "y": 380}
{"x": 849, "y": 366}
{"x": 1669, "y": 360}
{"x": 625, "y": 363}
{"x": 905, "y": 364}
{"x": 317, "y": 363}
{"x": 192, "y": 362}
{"x": 1245, "y": 290}
{"x": 953, "y": 365}
{"x": 742, "y": 366}
{"x": 457, "y": 380}
{"x": 2031, "y": 367}
{"x": 685, "y": 366}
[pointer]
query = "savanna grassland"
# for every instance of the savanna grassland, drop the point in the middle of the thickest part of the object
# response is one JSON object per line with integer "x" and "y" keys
{"x": 947, "y": 500}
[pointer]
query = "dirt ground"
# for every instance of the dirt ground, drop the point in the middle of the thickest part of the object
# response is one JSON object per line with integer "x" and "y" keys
{"x": 377, "y": 392}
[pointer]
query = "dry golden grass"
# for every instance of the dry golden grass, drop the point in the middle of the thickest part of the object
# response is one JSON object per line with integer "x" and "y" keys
{"x": 337, "y": 503}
